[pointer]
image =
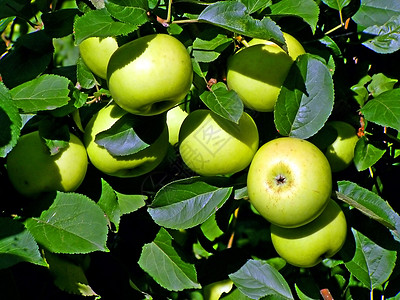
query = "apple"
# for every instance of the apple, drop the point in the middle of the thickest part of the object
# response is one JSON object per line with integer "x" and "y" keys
{"x": 212, "y": 145}
{"x": 289, "y": 181}
{"x": 150, "y": 75}
{"x": 96, "y": 52}
{"x": 256, "y": 74}
{"x": 294, "y": 48}
{"x": 340, "y": 153}
{"x": 175, "y": 118}
{"x": 214, "y": 291}
{"x": 32, "y": 170}
{"x": 131, "y": 165}
{"x": 308, "y": 245}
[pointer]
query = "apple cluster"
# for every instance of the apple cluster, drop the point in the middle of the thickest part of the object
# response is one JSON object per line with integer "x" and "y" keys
{"x": 289, "y": 180}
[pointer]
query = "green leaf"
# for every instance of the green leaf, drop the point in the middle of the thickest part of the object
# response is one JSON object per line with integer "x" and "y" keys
{"x": 307, "y": 289}
{"x": 187, "y": 203}
{"x": 308, "y": 10}
{"x": 43, "y": 93}
{"x": 337, "y": 4}
{"x": 225, "y": 103}
{"x": 380, "y": 83}
{"x": 386, "y": 36}
{"x": 131, "y": 134}
{"x": 72, "y": 224}
{"x": 372, "y": 12}
{"x": 384, "y": 109}
{"x": 208, "y": 46}
{"x": 59, "y": 23}
{"x": 370, "y": 204}
{"x": 162, "y": 262}
{"x": 85, "y": 77}
{"x": 257, "y": 279}
{"x": 233, "y": 16}
{"x": 68, "y": 276}
{"x": 371, "y": 264}
{"x": 306, "y": 98}
{"x": 130, "y": 203}
{"x": 255, "y": 5}
{"x": 366, "y": 154}
{"x": 109, "y": 204}
{"x": 27, "y": 59}
{"x": 360, "y": 90}
{"x": 17, "y": 245}
{"x": 10, "y": 122}
{"x": 99, "y": 23}
{"x": 11, "y": 8}
{"x": 130, "y": 11}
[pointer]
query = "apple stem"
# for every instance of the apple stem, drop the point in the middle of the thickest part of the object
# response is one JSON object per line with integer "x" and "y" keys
{"x": 326, "y": 294}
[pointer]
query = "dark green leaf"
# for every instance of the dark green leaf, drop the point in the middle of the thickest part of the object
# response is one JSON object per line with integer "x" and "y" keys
{"x": 386, "y": 37}
{"x": 72, "y": 224}
{"x": 85, "y": 77}
{"x": 306, "y": 98}
{"x": 372, "y": 12}
{"x": 131, "y": 134}
{"x": 11, "y": 8}
{"x": 371, "y": 264}
{"x": 162, "y": 262}
{"x": 384, "y": 109}
{"x": 257, "y": 279}
{"x": 187, "y": 203}
{"x": 17, "y": 245}
{"x": 369, "y": 204}
{"x": 28, "y": 58}
{"x": 308, "y": 10}
{"x": 225, "y": 103}
{"x": 43, "y": 93}
{"x": 99, "y": 23}
{"x": 10, "y": 122}
{"x": 59, "y": 23}
{"x": 366, "y": 154}
{"x": 68, "y": 276}
{"x": 233, "y": 16}
{"x": 130, "y": 11}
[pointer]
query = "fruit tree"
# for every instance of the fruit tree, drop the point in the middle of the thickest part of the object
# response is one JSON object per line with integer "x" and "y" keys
{"x": 188, "y": 149}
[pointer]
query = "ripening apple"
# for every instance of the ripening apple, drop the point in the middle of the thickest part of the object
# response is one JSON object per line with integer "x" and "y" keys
{"x": 340, "y": 153}
{"x": 214, "y": 291}
{"x": 212, "y": 145}
{"x": 289, "y": 181}
{"x": 308, "y": 245}
{"x": 175, "y": 118}
{"x": 150, "y": 75}
{"x": 131, "y": 165}
{"x": 257, "y": 73}
{"x": 294, "y": 48}
{"x": 96, "y": 52}
{"x": 33, "y": 170}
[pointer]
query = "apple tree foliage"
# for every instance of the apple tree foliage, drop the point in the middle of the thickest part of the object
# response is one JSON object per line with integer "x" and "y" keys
{"x": 169, "y": 234}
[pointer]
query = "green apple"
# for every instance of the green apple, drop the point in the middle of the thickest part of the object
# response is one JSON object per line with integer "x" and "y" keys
{"x": 175, "y": 118}
{"x": 214, "y": 291}
{"x": 150, "y": 75}
{"x": 257, "y": 73}
{"x": 96, "y": 52}
{"x": 212, "y": 145}
{"x": 308, "y": 245}
{"x": 32, "y": 170}
{"x": 294, "y": 48}
{"x": 131, "y": 165}
{"x": 289, "y": 181}
{"x": 340, "y": 153}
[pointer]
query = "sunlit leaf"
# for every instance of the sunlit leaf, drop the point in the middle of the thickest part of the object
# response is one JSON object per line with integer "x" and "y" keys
{"x": 72, "y": 224}
{"x": 162, "y": 262}
{"x": 257, "y": 279}
{"x": 366, "y": 154}
{"x": 372, "y": 12}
